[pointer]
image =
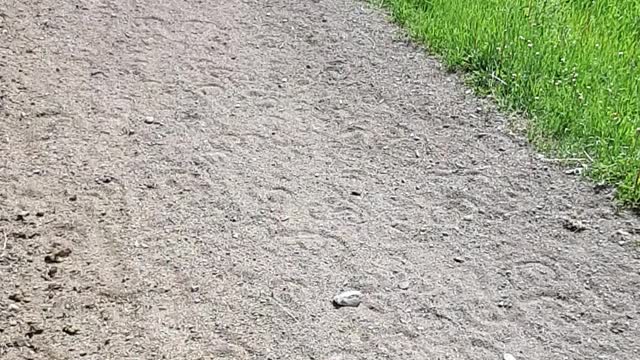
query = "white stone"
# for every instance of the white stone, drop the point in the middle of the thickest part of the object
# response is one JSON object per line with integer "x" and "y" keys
{"x": 350, "y": 298}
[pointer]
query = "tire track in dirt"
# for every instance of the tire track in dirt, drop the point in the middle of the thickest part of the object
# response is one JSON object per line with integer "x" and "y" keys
{"x": 219, "y": 170}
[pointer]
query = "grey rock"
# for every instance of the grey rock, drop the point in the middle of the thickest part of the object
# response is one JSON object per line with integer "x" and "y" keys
{"x": 573, "y": 225}
{"x": 623, "y": 233}
{"x": 151, "y": 121}
{"x": 71, "y": 329}
{"x": 576, "y": 171}
{"x": 508, "y": 356}
{"x": 351, "y": 298}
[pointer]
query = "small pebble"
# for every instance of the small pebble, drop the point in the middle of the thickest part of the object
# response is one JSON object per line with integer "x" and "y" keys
{"x": 351, "y": 298}
{"x": 70, "y": 330}
{"x": 574, "y": 225}
{"x": 576, "y": 171}
{"x": 150, "y": 120}
{"x": 507, "y": 356}
{"x": 623, "y": 233}
{"x": 13, "y": 307}
{"x": 57, "y": 256}
{"x": 404, "y": 285}
{"x": 105, "y": 179}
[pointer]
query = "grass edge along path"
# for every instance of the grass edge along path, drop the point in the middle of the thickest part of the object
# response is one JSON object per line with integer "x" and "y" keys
{"x": 571, "y": 67}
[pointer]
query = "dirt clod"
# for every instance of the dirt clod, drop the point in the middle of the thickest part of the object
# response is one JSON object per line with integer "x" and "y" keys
{"x": 34, "y": 329}
{"x": 17, "y": 297}
{"x": 57, "y": 256}
{"x": 22, "y": 216}
{"x": 573, "y": 225}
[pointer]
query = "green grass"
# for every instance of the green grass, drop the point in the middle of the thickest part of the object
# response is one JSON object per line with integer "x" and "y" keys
{"x": 571, "y": 66}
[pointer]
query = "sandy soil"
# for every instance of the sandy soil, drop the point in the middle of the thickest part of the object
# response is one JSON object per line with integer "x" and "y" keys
{"x": 197, "y": 180}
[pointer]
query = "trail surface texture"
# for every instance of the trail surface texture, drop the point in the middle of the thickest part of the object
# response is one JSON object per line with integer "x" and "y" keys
{"x": 198, "y": 179}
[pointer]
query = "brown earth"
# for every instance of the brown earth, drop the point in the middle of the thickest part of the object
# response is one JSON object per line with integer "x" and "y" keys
{"x": 198, "y": 179}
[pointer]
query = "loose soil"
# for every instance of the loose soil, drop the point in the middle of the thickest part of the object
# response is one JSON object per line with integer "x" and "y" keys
{"x": 198, "y": 179}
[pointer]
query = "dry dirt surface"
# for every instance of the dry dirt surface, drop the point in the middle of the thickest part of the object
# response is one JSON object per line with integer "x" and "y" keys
{"x": 198, "y": 179}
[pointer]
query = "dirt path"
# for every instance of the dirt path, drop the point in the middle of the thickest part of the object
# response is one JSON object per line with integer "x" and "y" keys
{"x": 197, "y": 179}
